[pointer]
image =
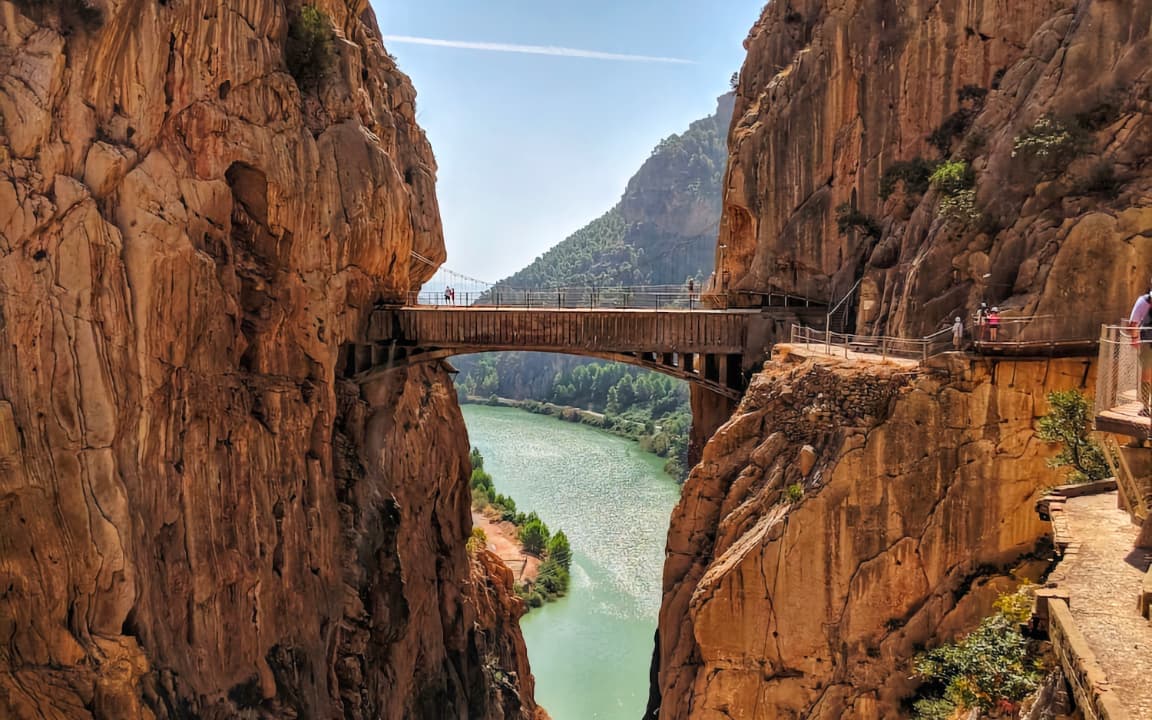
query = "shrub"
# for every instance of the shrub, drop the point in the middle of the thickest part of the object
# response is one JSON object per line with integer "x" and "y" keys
{"x": 973, "y": 94}
{"x": 309, "y": 50}
{"x": 990, "y": 668}
{"x": 933, "y": 709}
{"x": 479, "y": 498}
{"x": 960, "y": 208}
{"x": 478, "y": 541}
{"x": 915, "y": 174}
{"x": 73, "y": 14}
{"x": 1068, "y": 423}
{"x": 955, "y": 124}
{"x": 476, "y": 458}
{"x": 1050, "y": 143}
{"x": 552, "y": 578}
{"x": 849, "y": 218}
{"x": 559, "y": 550}
{"x": 794, "y": 493}
{"x": 952, "y": 178}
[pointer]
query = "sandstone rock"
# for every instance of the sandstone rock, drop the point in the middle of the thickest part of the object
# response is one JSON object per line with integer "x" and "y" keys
{"x": 806, "y": 459}
{"x": 905, "y": 536}
{"x": 198, "y": 516}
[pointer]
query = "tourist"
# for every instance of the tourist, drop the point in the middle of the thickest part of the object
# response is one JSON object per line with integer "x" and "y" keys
{"x": 447, "y": 294}
{"x": 1141, "y": 318}
{"x": 452, "y": 295}
{"x": 982, "y": 321}
{"x": 691, "y": 291}
{"x": 993, "y": 323}
{"x": 957, "y": 333}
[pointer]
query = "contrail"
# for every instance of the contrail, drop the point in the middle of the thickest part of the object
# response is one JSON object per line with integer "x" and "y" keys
{"x": 533, "y": 50}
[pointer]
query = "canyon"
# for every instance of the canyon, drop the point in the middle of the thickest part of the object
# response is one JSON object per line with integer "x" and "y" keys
{"x": 200, "y": 517}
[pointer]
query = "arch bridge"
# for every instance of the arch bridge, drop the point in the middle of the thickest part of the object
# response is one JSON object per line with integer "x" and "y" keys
{"x": 715, "y": 349}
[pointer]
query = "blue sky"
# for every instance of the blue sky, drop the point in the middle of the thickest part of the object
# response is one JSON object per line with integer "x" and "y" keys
{"x": 533, "y": 146}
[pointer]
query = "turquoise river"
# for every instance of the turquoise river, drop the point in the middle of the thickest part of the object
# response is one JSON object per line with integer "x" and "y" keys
{"x": 590, "y": 651}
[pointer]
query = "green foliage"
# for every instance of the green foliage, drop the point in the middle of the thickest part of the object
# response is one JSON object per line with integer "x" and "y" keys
{"x": 1068, "y": 422}
{"x": 479, "y": 498}
{"x": 477, "y": 541}
{"x": 1051, "y": 144}
{"x": 849, "y": 218}
{"x": 794, "y": 493}
{"x": 993, "y": 667}
{"x": 734, "y": 81}
{"x": 953, "y": 177}
{"x": 73, "y": 14}
{"x": 559, "y": 550}
{"x": 971, "y": 99}
{"x": 960, "y": 208}
{"x": 534, "y": 536}
{"x": 915, "y": 174}
{"x": 552, "y": 578}
{"x": 309, "y": 49}
{"x": 476, "y": 459}
{"x": 933, "y": 709}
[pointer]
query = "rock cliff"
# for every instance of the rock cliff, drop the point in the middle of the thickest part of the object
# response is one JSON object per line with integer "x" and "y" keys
{"x": 198, "y": 518}
{"x": 845, "y": 516}
{"x": 845, "y": 108}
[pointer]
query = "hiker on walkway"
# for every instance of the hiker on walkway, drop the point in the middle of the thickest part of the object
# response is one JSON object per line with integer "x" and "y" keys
{"x": 1141, "y": 318}
{"x": 452, "y": 295}
{"x": 957, "y": 333}
{"x": 447, "y": 295}
{"x": 982, "y": 321}
{"x": 691, "y": 291}
{"x": 993, "y": 323}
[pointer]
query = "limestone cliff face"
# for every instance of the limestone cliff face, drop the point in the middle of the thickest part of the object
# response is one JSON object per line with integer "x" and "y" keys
{"x": 834, "y": 95}
{"x": 197, "y": 517}
{"x": 917, "y": 497}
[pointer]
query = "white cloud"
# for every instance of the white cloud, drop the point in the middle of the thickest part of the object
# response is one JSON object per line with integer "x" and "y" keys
{"x": 533, "y": 50}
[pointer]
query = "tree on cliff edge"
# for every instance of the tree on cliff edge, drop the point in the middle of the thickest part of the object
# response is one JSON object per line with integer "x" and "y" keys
{"x": 1068, "y": 423}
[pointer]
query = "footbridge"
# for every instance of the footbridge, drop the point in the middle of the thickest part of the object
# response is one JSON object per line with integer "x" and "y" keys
{"x": 667, "y": 332}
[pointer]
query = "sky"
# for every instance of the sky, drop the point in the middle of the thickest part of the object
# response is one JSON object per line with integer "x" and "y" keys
{"x": 540, "y": 112}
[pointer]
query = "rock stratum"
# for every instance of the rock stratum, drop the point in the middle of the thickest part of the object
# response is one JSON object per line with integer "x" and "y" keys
{"x": 846, "y": 516}
{"x": 835, "y": 95}
{"x": 198, "y": 517}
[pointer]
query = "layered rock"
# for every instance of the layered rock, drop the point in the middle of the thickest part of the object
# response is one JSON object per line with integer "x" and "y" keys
{"x": 198, "y": 518}
{"x": 834, "y": 95}
{"x": 844, "y": 517}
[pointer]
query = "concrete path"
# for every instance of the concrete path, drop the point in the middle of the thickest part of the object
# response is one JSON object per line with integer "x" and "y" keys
{"x": 1102, "y": 574}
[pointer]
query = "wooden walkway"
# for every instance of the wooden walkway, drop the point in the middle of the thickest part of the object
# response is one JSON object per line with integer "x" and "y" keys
{"x": 713, "y": 348}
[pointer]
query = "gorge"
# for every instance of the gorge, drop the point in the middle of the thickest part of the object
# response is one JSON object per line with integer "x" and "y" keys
{"x": 202, "y": 517}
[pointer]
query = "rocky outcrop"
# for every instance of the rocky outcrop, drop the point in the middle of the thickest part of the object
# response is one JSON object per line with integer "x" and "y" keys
{"x": 838, "y": 100}
{"x": 198, "y": 518}
{"x": 790, "y": 594}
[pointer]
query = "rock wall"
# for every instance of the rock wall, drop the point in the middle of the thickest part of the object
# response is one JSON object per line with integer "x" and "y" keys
{"x": 834, "y": 95}
{"x": 845, "y": 516}
{"x": 197, "y": 517}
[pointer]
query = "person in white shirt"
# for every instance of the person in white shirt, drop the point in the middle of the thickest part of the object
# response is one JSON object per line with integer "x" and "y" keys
{"x": 1141, "y": 318}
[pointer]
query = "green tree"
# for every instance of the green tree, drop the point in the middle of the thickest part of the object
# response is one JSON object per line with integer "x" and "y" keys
{"x": 559, "y": 550}
{"x": 308, "y": 51}
{"x": 477, "y": 459}
{"x": 534, "y": 536}
{"x": 1068, "y": 423}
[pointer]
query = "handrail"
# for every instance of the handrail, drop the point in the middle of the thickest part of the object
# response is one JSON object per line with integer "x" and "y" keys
{"x": 843, "y": 301}
{"x": 882, "y": 345}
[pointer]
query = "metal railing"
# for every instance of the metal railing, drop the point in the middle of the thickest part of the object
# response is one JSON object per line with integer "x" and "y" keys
{"x": 1040, "y": 334}
{"x": 646, "y": 297}
{"x": 1124, "y": 359}
{"x": 834, "y": 343}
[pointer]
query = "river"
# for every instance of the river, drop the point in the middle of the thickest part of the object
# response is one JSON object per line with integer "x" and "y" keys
{"x": 590, "y": 651}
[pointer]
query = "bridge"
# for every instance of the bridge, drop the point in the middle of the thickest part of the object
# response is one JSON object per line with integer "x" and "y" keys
{"x": 668, "y": 332}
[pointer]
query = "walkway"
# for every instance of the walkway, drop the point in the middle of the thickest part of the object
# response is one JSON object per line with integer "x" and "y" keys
{"x": 1102, "y": 575}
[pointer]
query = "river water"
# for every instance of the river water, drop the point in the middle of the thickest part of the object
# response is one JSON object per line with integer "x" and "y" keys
{"x": 590, "y": 651}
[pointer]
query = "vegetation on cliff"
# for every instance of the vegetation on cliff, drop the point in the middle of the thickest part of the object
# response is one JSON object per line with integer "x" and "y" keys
{"x": 1069, "y": 423}
{"x": 992, "y": 668}
{"x": 533, "y": 534}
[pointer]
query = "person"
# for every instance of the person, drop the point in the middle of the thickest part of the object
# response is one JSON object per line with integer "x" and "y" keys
{"x": 452, "y": 295}
{"x": 993, "y": 323}
{"x": 981, "y": 320}
{"x": 1141, "y": 318}
{"x": 957, "y": 333}
{"x": 447, "y": 294}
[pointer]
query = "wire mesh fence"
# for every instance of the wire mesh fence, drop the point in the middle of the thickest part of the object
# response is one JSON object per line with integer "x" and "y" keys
{"x": 845, "y": 344}
{"x": 1124, "y": 379}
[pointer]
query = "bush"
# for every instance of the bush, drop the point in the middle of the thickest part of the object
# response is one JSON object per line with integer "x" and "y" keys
{"x": 992, "y": 667}
{"x": 309, "y": 50}
{"x": 476, "y": 458}
{"x": 478, "y": 541}
{"x": 794, "y": 493}
{"x": 954, "y": 125}
{"x": 552, "y": 578}
{"x": 952, "y": 178}
{"x": 933, "y": 709}
{"x": 849, "y": 218}
{"x": 1051, "y": 144}
{"x": 915, "y": 174}
{"x": 960, "y": 208}
{"x": 479, "y": 498}
{"x": 1068, "y": 423}
{"x": 559, "y": 550}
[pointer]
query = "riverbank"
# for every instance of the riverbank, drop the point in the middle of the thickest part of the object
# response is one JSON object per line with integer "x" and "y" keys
{"x": 652, "y": 438}
{"x": 504, "y": 541}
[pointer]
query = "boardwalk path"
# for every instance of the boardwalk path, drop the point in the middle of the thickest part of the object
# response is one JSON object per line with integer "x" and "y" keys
{"x": 1103, "y": 574}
